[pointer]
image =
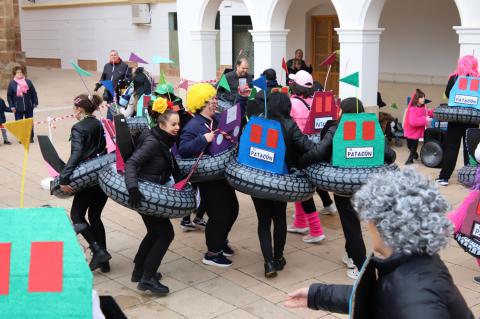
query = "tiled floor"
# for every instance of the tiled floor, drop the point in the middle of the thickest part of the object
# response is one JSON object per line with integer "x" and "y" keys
{"x": 200, "y": 291}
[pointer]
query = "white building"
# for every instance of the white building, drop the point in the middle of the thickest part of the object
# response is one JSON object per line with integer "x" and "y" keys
{"x": 415, "y": 41}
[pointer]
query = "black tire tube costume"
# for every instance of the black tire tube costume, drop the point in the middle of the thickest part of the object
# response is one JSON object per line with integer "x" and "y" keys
{"x": 457, "y": 114}
{"x": 85, "y": 175}
{"x": 266, "y": 185}
{"x": 159, "y": 201}
{"x": 343, "y": 180}
{"x": 137, "y": 124}
{"x": 466, "y": 175}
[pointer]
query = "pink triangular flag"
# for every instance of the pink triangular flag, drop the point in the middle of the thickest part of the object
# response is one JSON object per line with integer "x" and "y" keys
{"x": 51, "y": 171}
{"x": 183, "y": 84}
{"x": 119, "y": 161}
{"x": 135, "y": 58}
{"x": 109, "y": 135}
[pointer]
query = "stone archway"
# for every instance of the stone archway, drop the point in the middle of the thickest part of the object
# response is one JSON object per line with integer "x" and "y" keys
{"x": 10, "y": 44}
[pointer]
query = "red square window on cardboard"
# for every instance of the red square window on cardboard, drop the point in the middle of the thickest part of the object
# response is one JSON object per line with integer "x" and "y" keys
{"x": 272, "y": 138}
{"x": 46, "y": 267}
{"x": 5, "y": 249}
{"x": 474, "y": 85}
{"x": 462, "y": 83}
{"x": 256, "y": 134}
{"x": 368, "y": 131}
{"x": 349, "y": 133}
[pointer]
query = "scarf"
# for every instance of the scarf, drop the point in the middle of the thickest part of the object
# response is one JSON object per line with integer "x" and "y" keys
{"x": 22, "y": 86}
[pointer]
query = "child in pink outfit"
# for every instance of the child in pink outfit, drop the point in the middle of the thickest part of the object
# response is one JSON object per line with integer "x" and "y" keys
{"x": 416, "y": 119}
{"x": 306, "y": 215}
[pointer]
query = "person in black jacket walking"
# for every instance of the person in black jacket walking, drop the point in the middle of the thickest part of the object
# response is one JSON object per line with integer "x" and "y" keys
{"x": 467, "y": 66}
{"x": 115, "y": 70}
{"x": 354, "y": 245}
{"x": 21, "y": 95}
{"x": 407, "y": 223}
{"x": 153, "y": 161}
{"x": 88, "y": 141}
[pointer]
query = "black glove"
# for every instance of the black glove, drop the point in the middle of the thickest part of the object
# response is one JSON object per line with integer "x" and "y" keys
{"x": 97, "y": 86}
{"x": 135, "y": 196}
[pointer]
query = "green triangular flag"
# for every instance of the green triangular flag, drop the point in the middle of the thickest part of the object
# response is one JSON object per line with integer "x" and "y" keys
{"x": 224, "y": 83}
{"x": 79, "y": 70}
{"x": 253, "y": 94}
{"x": 162, "y": 78}
{"x": 352, "y": 79}
{"x": 394, "y": 106}
{"x": 472, "y": 160}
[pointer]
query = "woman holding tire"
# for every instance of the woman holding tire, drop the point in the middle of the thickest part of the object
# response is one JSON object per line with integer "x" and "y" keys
{"x": 354, "y": 244}
{"x": 467, "y": 66}
{"x": 88, "y": 141}
{"x": 153, "y": 161}
{"x": 218, "y": 196}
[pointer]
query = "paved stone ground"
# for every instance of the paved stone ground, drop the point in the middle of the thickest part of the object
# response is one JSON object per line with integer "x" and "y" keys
{"x": 199, "y": 291}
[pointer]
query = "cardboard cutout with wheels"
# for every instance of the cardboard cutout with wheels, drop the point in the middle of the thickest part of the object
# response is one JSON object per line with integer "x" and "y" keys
{"x": 465, "y": 92}
{"x": 228, "y": 130}
{"x": 468, "y": 236}
{"x": 324, "y": 108}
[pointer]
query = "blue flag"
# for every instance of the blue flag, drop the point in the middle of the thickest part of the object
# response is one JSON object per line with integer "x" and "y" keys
{"x": 109, "y": 86}
{"x": 260, "y": 83}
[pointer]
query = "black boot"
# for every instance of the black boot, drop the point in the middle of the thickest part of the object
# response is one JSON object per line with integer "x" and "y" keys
{"x": 153, "y": 285}
{"x": 99, "y": 256}
{"x": 105, "y": 267}
{"x": 270, "y": 270}
{"x": 279, "y": 263}
{"x": 138, "y": 273}
{"x": 409, "y": 160}
{"x": 415, "y": 156}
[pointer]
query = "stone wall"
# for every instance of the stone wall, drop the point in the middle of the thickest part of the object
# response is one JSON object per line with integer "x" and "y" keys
{"x": 10, "y": 40}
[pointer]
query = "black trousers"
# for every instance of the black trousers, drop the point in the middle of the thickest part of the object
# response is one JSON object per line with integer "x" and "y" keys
{"x": 325, "y": 197}
{"x": 200, "y": 212}
{"x": 309, "y": 205}
{"x": 455, "y": 133}
{"x": 221, "y": 205}
{"x": 24, "y": 115}
{"x": 352, "y": 231}
{"x": 154, "y": 245}
{"x": 91, "y": 200}
{"x": 268, "y": 211}
{"x": 412, "y": 146}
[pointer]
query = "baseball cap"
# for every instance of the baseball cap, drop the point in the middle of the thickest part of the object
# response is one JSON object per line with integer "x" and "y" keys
{"x": 302, "y": 78}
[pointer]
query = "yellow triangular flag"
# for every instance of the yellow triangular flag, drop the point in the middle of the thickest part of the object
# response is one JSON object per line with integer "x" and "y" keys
{"x": 22, "y": 130}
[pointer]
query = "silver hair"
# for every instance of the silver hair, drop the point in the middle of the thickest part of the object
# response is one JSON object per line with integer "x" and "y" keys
{"x": 111, "y": 51}
{"x": 408, "y": 211}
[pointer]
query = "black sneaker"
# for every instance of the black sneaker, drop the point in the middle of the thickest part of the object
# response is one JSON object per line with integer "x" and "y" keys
{"x": 415, "y": 156}
{"x": 105, "y": 267}
{"x": 270, "y": 270}
{"x": 218, "y": 260}
{"x": 187, "y": 226}
{"x": 7, "y": 142}
{"x": 279, "y": 263}
{"x": 227, "y": 251}
{"x": 200, "y": 223}
{"x": 137, "y": 275}
{"x": 409, "y": 161}
{"x": 476, "y": 280}
{"x": 153, "y": 285}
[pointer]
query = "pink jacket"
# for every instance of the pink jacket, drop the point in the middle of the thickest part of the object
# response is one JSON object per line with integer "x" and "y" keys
{"x": 415, "y": 122}
{"x": 299, "y": 111}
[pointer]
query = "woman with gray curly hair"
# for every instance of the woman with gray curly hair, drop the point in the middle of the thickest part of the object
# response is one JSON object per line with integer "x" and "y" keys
{"x": 408, "y": 227}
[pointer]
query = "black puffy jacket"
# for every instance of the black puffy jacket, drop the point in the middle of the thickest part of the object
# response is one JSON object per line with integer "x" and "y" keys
{"x": 408, "y": 287}
{"x": 152, "y": 160}
{"x": 88, "y": 141}
{"x": 296, "y": 143}
{"x": 115, "y": 72}
{"x": 25, "y": 103}
{"x": 322, "y": 151}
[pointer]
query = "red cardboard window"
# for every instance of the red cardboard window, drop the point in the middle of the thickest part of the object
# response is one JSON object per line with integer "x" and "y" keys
{"x": 4, "y": 267}
{"x": 328, "y": 103}
{"x": 256, "y": 134}
{"x": 46, "y": 267}
{"x": 462, "y": 84}
{"x": 368, "y": 131}
{"x": 319, "y": 105}
{"x": 349, "y": 133}
{"x": 474, "y": 85}
{"x": 272, "y": 138}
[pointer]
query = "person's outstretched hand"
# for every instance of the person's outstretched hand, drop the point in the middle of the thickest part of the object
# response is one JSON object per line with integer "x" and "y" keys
{"x": 297, "y": 299}
{"x": 134, "y": 197}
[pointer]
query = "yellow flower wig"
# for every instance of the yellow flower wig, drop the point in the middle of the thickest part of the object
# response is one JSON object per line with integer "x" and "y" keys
{"x": 198, "y": 95}
{"x": 160, "y": 105}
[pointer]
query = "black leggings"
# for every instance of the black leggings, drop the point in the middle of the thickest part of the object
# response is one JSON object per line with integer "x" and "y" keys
{"x": 154, "y": 245}
{"x": 455, "y": 133}
{"x": 352, "y": 231}
{"x": 199, "y": 213}
{"x": 93, "y": 200}
{"x": 221, "y": 205}
{"x": 309, "y": 205}
{"x": 268, "y": 211}
{"x": 412, "y": 146}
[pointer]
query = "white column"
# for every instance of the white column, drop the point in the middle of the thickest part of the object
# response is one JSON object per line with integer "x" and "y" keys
{"x": 270, "y": 48}
{"x": 359, "y": 51}
{"x": 198, "y": 58}
{"x": 226, "y": 39}
{"x": 469, "y": 40}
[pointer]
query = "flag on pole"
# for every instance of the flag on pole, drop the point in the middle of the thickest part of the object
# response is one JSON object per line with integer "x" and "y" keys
{"x": 260, "y": 83}
{"x": 224, "y": 83}
{"x": 22, "y": 130}
{"x": 329, "y": 60}
{"x": 79, "y": 70}
{"x": 183, "y": 84}
{"x": 135, "y": 58}
{"x": 284, "y": 65}
{"x": 108, "y": 84}
{"x": 158, "y": 59}
{"x": 352, "y": 79}
{"x": 253, "y": 94}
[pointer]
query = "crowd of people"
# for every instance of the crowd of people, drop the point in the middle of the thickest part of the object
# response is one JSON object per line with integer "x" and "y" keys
{"x": 405, "y": 216}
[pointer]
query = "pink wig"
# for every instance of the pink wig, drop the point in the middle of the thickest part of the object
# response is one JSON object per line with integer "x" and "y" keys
{"x": 467, "y": 65}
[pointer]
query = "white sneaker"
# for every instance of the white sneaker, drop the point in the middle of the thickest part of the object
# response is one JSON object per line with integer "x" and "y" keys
{"x": 353, "y": 273}
{"x": 293, "y": 229}
{"x": 329, "y": 210}
{"x": 441, "y": 182}
{"x": 348, "y": 262}
{"x": 313, "y": 239}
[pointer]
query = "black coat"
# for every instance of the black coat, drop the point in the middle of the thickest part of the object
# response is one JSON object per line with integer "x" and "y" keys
{"x": 296, "y": 143}
{"x": 322, "y": 151}
{"x": 3, "y": 109}
{"x": 25, "y": 103}
{"x": 408, "y": 286}
{"x": 233, "y": 83}
{"x": 88, "y": 141}
{"x": 152, "y": 160}
{"x": 115, "y": 72}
